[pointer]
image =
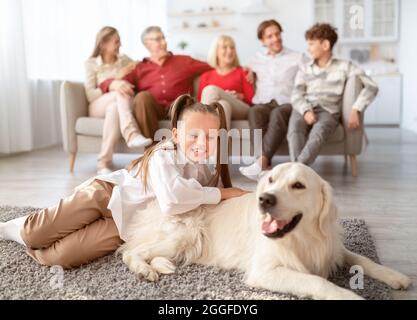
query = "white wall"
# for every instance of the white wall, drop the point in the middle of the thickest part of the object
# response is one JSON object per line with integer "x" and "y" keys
{"x": 295, "y": 17}
{"x": 408, "y": 63}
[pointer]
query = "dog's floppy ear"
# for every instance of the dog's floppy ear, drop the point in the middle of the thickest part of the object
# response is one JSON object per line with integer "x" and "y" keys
{"x": 328, "y": 212}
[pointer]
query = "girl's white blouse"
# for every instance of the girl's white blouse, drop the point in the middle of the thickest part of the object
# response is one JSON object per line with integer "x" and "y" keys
{"x": 178, "y": 184}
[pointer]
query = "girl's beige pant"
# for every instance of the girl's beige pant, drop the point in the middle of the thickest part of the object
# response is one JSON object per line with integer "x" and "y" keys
{"x": 76, "y": 231}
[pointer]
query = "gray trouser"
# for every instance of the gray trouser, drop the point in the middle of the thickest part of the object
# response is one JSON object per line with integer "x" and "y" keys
{"x": 273, "y": 120}
{"x": 305, "y": 141}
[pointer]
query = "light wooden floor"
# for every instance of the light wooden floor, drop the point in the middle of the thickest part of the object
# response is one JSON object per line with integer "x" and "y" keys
{"x": 384, "y": 194}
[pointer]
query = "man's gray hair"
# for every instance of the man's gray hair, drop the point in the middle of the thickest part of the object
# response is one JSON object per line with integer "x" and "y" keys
{"x": 149, "y": 30}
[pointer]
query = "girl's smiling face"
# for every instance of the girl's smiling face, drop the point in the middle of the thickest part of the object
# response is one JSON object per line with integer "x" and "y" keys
{"x": 197, "y": 134}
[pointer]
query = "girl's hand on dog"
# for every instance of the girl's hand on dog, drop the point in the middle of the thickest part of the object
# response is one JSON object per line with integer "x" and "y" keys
{"x": 228, "y": 193}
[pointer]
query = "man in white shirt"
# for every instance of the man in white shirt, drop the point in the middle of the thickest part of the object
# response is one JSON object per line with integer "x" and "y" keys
{"x": 275, "y": 70}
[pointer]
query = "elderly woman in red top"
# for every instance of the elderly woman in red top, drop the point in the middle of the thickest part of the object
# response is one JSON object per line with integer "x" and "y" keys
{"x": 227, "y": 83}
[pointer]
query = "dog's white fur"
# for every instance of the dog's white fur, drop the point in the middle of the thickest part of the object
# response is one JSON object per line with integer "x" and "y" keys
{"x": 228, "y": 235}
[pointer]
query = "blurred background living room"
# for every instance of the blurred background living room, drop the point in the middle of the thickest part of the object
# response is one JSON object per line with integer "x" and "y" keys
{"x": 45, "y": 43}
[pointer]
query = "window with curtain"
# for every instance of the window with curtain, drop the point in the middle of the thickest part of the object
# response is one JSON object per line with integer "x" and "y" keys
{"x": 60, "y": 34}
{"x": 45, "y": 41}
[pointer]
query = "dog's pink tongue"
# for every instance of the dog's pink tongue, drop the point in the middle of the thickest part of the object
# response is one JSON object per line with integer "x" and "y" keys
{"x": 270, "y": 225}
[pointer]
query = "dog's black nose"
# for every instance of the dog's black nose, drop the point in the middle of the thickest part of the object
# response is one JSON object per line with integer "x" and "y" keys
{"x": 267, "y": 200}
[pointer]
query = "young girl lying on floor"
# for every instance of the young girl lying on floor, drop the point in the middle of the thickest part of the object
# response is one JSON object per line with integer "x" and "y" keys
{"x": 92, "y": 222}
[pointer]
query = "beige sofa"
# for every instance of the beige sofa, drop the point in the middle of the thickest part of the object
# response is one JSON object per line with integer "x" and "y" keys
{"x": 84, "y": 134}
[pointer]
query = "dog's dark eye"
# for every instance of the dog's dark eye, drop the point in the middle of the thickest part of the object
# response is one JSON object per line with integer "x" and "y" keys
{"x": 298, "y": 185}
{"x": 270, "y": 180}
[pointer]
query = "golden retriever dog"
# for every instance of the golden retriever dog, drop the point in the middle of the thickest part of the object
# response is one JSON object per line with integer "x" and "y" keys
{"x": 285, "y": 238}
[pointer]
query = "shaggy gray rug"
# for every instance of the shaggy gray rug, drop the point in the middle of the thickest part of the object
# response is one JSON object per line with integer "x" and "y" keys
{"x": 108, "y": 277}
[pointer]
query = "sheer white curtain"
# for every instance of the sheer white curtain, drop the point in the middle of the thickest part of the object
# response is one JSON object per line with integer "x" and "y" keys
{"x": 61, "y": 33}
{"x": 46, "y": 41}
{"x": 15, "y": 111}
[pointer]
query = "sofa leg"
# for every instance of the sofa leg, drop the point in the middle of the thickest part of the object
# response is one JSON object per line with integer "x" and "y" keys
{"x": 72, "y": 157}
{"x": 354, "y": 164}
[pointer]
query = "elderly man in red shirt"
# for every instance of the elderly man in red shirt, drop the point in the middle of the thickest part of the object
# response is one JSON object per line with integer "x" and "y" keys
{"x": 160, "y": 79}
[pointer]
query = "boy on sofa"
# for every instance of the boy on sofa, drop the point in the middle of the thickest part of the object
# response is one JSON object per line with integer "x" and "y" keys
{"x": 275, "y": 67}
{"x": 317, "y": 96}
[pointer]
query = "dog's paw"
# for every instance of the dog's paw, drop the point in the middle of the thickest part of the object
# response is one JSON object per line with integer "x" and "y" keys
{"x": 163, "y": 265}
{"x": 147, "y": 272}
{"x": 127, "y": 258}
{"x": 139, "y": 267}
{"x": 397, "y": 281}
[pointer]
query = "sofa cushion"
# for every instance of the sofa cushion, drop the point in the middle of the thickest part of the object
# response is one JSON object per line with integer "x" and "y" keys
{"x": 89, "y": 126}
{"x": 338, "y": 136}
{"x": 94, "y": 127}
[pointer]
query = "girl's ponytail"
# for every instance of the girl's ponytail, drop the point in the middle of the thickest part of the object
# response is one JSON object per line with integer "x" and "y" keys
{"x": 178, "y": 106}
{"x": 222, "y": 169}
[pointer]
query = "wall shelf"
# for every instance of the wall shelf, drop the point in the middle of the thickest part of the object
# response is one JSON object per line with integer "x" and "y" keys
{"x": 207, "y": 29}
{"x": 201, "y": 14}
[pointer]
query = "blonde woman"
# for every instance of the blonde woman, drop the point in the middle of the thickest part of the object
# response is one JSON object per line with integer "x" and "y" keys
{"x": 228, "y": 83}
{"x": 115, "y": 107}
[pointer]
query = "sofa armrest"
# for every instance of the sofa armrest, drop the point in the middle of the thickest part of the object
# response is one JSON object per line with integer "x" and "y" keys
{"x": 353, "y": 138}
{"x": 73, "y": 104}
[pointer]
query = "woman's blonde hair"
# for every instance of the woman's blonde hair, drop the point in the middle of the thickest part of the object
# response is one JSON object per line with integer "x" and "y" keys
{"x": 183, "y": 104}
{"x": 103, "y": 36}
{"x": 212, "y": 58}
